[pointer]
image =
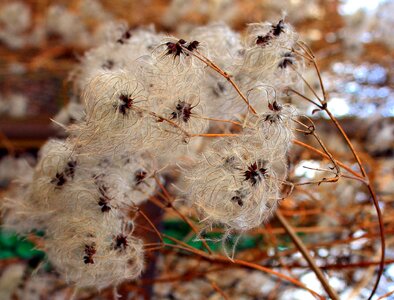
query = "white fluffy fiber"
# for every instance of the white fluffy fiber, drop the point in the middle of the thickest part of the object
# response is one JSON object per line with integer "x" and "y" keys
{"x": 145, "y": 98}
{"x": 82, "y": 202}
{"x": 236, "y": 182}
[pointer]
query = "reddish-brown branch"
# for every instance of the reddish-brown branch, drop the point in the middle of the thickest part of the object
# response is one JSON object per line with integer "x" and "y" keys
{"x": 301, "y": 247}
{"x": 218, "y": 289}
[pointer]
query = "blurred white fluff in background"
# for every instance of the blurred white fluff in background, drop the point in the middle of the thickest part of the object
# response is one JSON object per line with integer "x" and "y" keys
{"x": 13, "y": 105}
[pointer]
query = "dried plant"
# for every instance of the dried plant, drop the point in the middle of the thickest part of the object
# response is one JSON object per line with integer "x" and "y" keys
{"x": 204, "y": 121}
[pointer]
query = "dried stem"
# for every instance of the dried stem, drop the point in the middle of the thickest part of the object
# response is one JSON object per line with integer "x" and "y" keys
{"x": 301, "y": 247}
{"x": 311, "y": 148}
{"x": 151, "y": 224}
{"x": 323, "y": 106}
{"x": 214, "y": 67}
{"x": 219, "y": 258}
{"x": 218, "y": 289}
{"x": 184, "y": 218}
{"x": 386, "y": 296}
{"x": 214, "y": 134}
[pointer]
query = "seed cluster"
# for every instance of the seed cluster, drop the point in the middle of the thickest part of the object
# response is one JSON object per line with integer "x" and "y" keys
{"x": 147, "y": 99}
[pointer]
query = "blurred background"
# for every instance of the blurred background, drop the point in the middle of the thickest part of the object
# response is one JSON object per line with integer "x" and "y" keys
{"x": 41, "y": 42}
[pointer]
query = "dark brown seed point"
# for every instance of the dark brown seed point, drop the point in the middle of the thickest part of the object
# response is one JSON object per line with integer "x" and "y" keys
{"x": 255, "y": 174}
{"x": 121, "y": 242}
{"x": 238, "y": 200}
{"x": 278, "y": 28}
{"x": 183, "y": 111}
{"x": 90, "y": 250}
{"x": 140, "y": 175}
{"x": 127, "y": 103}
{"x": 287, "y": 60}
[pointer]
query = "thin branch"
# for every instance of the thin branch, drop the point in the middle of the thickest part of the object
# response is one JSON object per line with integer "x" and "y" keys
{"x": 151, "y": 224}
{"x": 301, "y": 247}
{"x": 184, "y": 218}
{"x": 358, "y": 176}
{"x": 216, "y": 68}
{"x": 367, "y": 182}
{"x": 303, "y": 96}
{"x": 219, "y": 258}
{"x": 218, "y": 289}
{"x": 386, "y": 296}
{"x": 219, "y": 120}
{"x": 214, "y": 134}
